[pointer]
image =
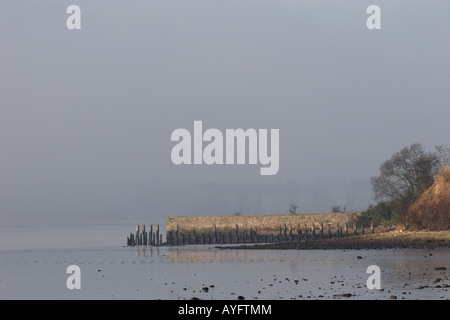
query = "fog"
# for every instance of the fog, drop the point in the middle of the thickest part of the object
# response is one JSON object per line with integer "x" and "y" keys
{"x": 86, "y": 115}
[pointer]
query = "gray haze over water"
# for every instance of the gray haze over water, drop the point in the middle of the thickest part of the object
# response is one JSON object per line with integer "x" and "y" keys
{"x": 86, "y": 116}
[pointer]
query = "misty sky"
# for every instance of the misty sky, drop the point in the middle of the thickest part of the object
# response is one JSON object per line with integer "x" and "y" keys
{"x": 86, "y": 116}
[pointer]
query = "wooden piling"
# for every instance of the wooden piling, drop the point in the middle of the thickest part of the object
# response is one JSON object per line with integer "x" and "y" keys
{"x": 157, "y": 235}
{"x": 299, "y": 232}
{"x": 150, "y": 235}
{"x": 215, "y": 236}
{"x": 137, "y": 234}
{"x": 144, "y": 236}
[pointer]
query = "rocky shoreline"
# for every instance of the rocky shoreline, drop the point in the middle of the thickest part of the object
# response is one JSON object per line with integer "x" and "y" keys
{"x": 386, "y": 240}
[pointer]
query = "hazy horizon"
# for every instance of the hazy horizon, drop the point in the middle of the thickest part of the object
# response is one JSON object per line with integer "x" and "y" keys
{"x": 86, "y": 116}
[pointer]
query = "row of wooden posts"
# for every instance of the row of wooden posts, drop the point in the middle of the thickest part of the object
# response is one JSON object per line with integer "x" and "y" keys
{"x": 252, "y": 234}
{"x": 142, "y": 238}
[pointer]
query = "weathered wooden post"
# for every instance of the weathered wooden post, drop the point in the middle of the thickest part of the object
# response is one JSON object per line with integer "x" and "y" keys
{"x": 355, "y": 228}
{"x": 237, "y": 234}
{"x": 299, "y": 232}
{"x": 169, "y": 238}
{"x": 137, "y": 234}
{"x": 157, "y": 234}
{"x": 160, "y": 240}
{"x": 194, "y": 232}
{"x": 321, "y": 230}
{"x": 290, "y": 233}
{"x": 330, "y": 233}
{"x": 346, "y": 229}
{"x": 150, "y": 233}
{"x": 306, "y": 232}
{"x": 362, "y": 228}
{"x": 144, "y": 236}
{"x": 372, "y": 230}
{"x": 215, "y": 235}
{"x": 313, "y": 231}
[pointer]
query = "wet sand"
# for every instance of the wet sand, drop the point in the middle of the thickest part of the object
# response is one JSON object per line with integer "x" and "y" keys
{"x": 205, "y": 273}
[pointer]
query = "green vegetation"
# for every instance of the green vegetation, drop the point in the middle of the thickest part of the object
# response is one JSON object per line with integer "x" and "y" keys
{"x": 379, "y": 214}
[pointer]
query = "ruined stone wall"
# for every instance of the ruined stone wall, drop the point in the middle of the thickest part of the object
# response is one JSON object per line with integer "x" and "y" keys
{"x": 257, "y": 228}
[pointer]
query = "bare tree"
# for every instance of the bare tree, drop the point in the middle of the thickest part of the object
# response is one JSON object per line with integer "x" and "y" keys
{"x": 345, "y": 206}
{"x": 406, "y": 175}
{"x": 336, "y": 209}
{"x": 293, "y": 209}
{"x": 443, "y": 153}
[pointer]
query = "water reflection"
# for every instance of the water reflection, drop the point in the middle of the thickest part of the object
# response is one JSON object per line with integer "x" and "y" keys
{"x": 210, "y": 254}
{"x": 158, "y": 253}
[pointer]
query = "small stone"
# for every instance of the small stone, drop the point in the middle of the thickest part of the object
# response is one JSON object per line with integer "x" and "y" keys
{"x": 346, "y": 295}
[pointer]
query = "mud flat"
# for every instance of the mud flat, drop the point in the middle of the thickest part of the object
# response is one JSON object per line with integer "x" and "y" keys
{"x": 385, "y": 240}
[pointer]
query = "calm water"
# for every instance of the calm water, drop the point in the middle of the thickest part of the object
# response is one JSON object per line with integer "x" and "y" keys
{"x": 111, "y": 271}
{"x": 67, "y": 236}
